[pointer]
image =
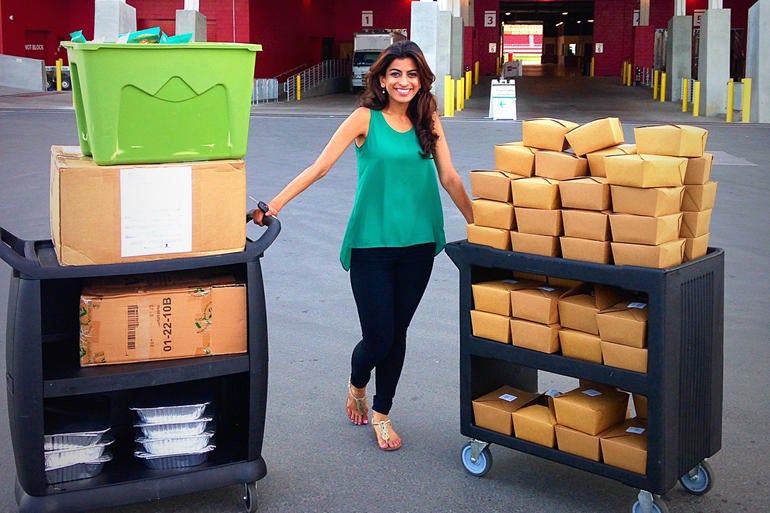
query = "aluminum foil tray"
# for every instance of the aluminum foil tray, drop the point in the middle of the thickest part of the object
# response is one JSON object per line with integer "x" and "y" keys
{"x": 179, "y": 413}
{"x": 178, "y": 445}
{"x": 64, "y": 457}
{"x": 59, "y": 441}
{"x": 83, "y": 470}
{"x": 174, "y": 429}
{"x": 171, "y": 461}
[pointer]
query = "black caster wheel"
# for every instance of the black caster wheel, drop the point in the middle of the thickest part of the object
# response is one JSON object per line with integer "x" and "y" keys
{"x": 698, "y": 481}
{"x": 250, "y": 497}
{"x": 648, "y": 503}
{"x": 482, "y": 464}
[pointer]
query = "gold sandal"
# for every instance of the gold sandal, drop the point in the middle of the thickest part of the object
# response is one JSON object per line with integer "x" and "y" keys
{"x": 381, "y": 428}
{"x": 361, "y": 406}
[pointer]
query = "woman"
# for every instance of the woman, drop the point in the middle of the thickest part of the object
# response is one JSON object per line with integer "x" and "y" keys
{"x": 396, "y": 226}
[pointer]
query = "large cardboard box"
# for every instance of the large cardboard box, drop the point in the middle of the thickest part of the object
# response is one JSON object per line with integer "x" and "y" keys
{"x": 699, "y": 197}
{"x": 559, "y": 165}
{"x": 587, "y": 193}
{"x": 624, "y": 357}
{"x": 586, "y": 224}
{"x": 129, "y": 213}
{"x": 695, "y": 224}
{"x": 486, "y": 236}
{"x": 515, "y": 158}
{"x": 645, "y": 170}
{"x": 535, "y": 422}
{"x": 538, "y": 304}
{"x": 596, "y": 158}
{"x": 491, "y": 326}
{"x": 535, "y": 336}
{"x": 673, "y": 140}
{"x": 586, "y": 250}
{"x": 695, "y": 247}
{"x": 538, "y": 221}
{"x": 595, "y": 135}
{"x": 658, "y": 201}
{"x": 625, "y": 446}
{"x": 579, "y": 305}
{"x": 624, "y": 323}
{"x": 577, "y": 443}
{"x": 591, "y": 410}
{"x": 493, "y": 410}
{"x": 645, "y": 229}
{"x": 545, "y": 245}
{"x": 128, "y": 319}
{"x": 640, "y": 406}
{"x": 536, "y": 192}
{"x": 580, "y": 345}
{"x": 493, "y": 214}
{"x": 699, "y": 169}
{"x": 668, "y": 254}
{"x": 492, "y": 184}
{"x": 546, "y": 133}
{"x": 495, "y": 296}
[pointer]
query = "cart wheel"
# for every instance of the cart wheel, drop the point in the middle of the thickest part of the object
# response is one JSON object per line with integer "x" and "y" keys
{"x": 250, "y": 497}
{"x": 482, "y": 464}
{"x": 698, "y": 481}
{"x": 655, "y": 506}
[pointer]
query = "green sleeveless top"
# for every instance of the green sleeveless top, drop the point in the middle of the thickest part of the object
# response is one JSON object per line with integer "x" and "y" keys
{"x": 397, "y": 200}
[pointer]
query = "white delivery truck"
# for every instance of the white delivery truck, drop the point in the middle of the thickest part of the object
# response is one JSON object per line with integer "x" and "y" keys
{"x": 367, "y": 46}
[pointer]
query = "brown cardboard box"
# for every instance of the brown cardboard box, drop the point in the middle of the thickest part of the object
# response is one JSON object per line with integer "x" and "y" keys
{"x": 559, "y": 165}
{"x": 580, "y": 345}
{"x": 538, "y": 221}
{"x": 538, "y": 304}
{"x": 495, "y": 296}
{"x": 515, "y": 158}
{"x": 535, "y": 336}
{"x": 577, "y": 443}
{"x": 645, "y": 170}
{"x": 125, "y": 320}
{"x": 578, "y": 306}
{"x": 591, "y": 410}
{"x": 544, "y": 245}
{"x": 586, "y": 224}
{"x": 645, "y": 229}
{"x": 536, "y": 192}
{"x": 624, "y": 323}
{"x": 696, "y": 247}
{"x": 673, "y": 140}
{"x": 596, "y": 158}
{"x": 492, "y": 184}
{"x": 586, "y": 250}
{"x": 595, "y": 135}
{"x": 624, "y": 357}
{"x": 668, "y": 254}
{"x": 587, "y": 193}
{"x": 640, "y": 406}
{"x": 658, "y": 201}
{"x": 695, "y": 224}
{"x": 546, "y": 133}
{"x": 491, "y": 326}
{"x": 625, "y": 446}
{"x": 699, "y": 197}
{"x": 699, "y": 169}
{"x": 493, "y": 214}
{"x": 493, "y": 410}
{"x": 116, "y": 214}
{"x": 486, "y": 236}
{"x": 564, "y": 283}
{"x": 535, "y": 422}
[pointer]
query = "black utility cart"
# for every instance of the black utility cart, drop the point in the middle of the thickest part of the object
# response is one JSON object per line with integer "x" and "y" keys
{"x": 45, "y": 380}
{"x": 683, "y": 383}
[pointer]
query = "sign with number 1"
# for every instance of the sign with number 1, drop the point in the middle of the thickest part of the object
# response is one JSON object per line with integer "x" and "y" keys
{"x": 367, "y": 18}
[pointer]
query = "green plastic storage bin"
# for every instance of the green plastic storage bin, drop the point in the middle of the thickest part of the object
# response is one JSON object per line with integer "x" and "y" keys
{"x": 153, "y": 103}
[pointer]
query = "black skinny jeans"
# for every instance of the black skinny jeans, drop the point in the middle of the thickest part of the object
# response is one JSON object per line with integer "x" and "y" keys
{"x": 388, "y": 284}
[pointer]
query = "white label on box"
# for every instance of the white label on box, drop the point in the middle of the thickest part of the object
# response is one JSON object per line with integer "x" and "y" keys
{"x": 511, "y": 281}
{"x": 155, "y": 210}
{"x": 640, "y": 306}
{"x": 552, "y": 392}
{"x": 547, "y": 289}
{"x": 508, "y": 397}
{"x": 635, "y": 430}
{"x": 591, "y": 392}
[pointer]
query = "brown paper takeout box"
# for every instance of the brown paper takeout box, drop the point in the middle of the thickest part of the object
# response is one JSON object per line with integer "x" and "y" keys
{"x": 673, "y": 140}
{"x": 537, "y": 304}
{"x": 538, "y": 221}
{"x": 575, "y": 442}
{"x": 699, "y": 197}
{"x": 515, "y": 158}
{"x": 624, "y": 323}
{"x": 645, "y": 170}
{"x": 495, "y": 296}
{"x": 546, "y": 133}
{"x": 493, "y": 410}
{"x": 590, "y": 409}
{"x": 625, "y": 446}
{"x": 586, "y": 224}
{"x": 493, "y": 214}
{"x": 695, "y": 224}
{"x": 579, "y": 305}
{"x": 595, "y": 135}
{"x": 545, "y": 245}
{"x": 661, "y": 256}
{"x": 559, "y": 165}
{"x": 536, "y": 192}
{"x": 498, "y": 238}
{"x": 586, "y": 193}
{"x": 580, "y": 345}
{"x": 645, "y": 229}
{"x": 596, "y": 158}
{"x": 624, "y": 357}
{"x": 492, "y": 184}
{"x": 535, "y": 422}
{"x": 491, "y": 326}
{"x": 657, "y": 201}
{"x": 535, "y": 336}
{"x": 586, "y": 250}
{"x": 696, "y": 247}
{"x": 699, "y": 169}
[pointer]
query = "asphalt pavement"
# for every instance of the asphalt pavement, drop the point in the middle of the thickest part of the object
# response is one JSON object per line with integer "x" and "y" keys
{"x": 316, "y": 460}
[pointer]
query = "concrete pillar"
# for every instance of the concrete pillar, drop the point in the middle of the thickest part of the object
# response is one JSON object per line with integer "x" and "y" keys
{"x": 424, "y": 30}
{"x": 456, "y": 68}
{"x": 191, "y": 21}
{"x": 678, "y": 55}
{"x": 758, "y": 61}
{"x": 113, "y": 17}
{"x": 443, "y": 54}
{"x": 714, "y": 60}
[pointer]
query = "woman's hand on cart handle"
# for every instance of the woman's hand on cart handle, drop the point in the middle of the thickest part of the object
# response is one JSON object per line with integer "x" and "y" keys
{"x": 258, "y": 214}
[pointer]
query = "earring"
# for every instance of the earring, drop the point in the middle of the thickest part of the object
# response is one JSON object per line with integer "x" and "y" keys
{"x": 384, "y": 91}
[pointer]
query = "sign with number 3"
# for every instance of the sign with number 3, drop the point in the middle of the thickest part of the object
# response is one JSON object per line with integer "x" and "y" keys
{"x": 490, "y": 18}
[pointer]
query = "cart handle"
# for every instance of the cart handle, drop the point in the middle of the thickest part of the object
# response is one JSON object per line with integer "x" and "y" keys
{"x": 268, "y": 236}
{"x": 14, "y": 250}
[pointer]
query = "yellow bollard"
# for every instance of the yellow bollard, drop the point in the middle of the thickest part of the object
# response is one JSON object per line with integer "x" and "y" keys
{"x": 476, "y": 71}
{"x": 696, "y": 98}
{"x": 468, "y": 84}
{"x": 449, "y": 96}
{"x": 623, "y": 74}
{"x": 59, "y": 63}
{"x": 655, "y": 78}
{"x": 460, "y": 94}
{"x": 746, "y": 100}
{"x": 730, "y": 101}
{"x": 592, "y": 67}
{"x": 299, "y": 87}
{"x": 685, "y": 94}
{"x": 662, "y": 87}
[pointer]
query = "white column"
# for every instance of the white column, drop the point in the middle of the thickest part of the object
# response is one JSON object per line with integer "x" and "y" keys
{"x": 714, "y": 60}
{"x": 678, "y": 55}
{"x": 113, "y": 17}
{"x": 758, "y": 61}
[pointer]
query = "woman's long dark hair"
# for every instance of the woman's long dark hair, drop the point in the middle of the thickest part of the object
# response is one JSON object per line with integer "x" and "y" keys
{"x": 422, "y": 106}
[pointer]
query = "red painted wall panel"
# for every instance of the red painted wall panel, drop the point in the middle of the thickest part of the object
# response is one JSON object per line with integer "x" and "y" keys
{"x": 613, "y": 21}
